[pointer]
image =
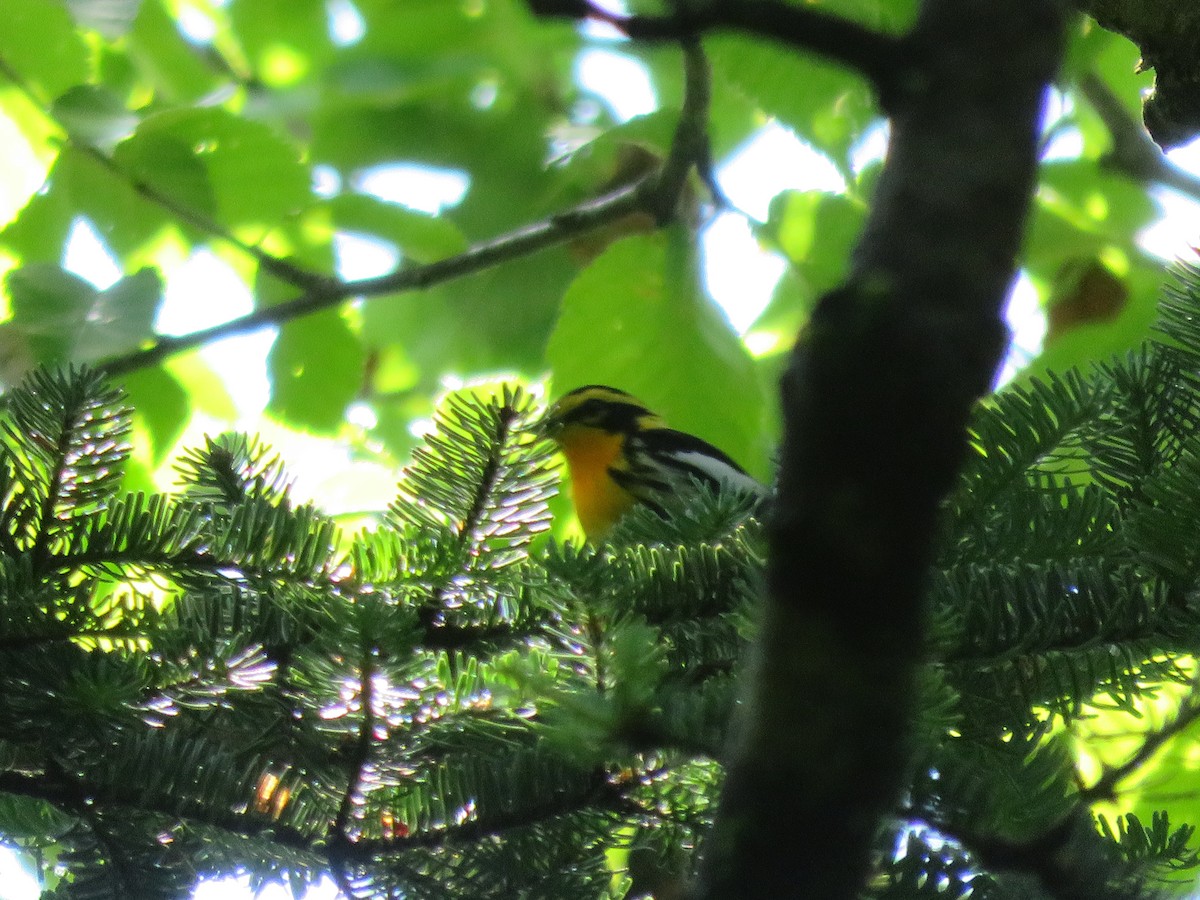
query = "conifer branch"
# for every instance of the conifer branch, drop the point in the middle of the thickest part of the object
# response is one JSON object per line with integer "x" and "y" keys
{"x": 1105, "y": 787}
{"x": 595, "y": 792}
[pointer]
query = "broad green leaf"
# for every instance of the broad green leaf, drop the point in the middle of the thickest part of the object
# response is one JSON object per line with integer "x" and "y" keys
{"x": 167, "y": 62}
{"x": 123, "y": 315}
{"x": 207, "y": 392}
{"x": 126, "y": 219}
{"x": 112, "y": 18}
{"x": 49, "y": 306}
{"x": 316, "y": 367}
{"x": 496, "y": 321}
{"x": 94, "y": 115}
{"x": 885, "y": 15}
{"x": 255, "y": 176}
{"x": 825, "y": 105}
{"x": 1097, "y": 342}
{"x": 38, "y": 41}
{"x": 637, "y": 319}
{"x": 1096, "y": 199}
{"x": 285, "y": 40}
{"x": 64, "y": 318}
{"x": 421, "y": 237}
{"x": 40, "y": 231}
{"x": 167, "y": 164}
{"x": 816, "y": 232}
{"x": 163, "y": 404}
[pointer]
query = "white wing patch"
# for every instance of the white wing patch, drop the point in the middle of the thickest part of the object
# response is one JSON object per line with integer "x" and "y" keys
{"x": 717, "y": 470}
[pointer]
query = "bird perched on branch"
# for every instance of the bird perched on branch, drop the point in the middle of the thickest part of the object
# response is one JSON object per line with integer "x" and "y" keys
{"x": 619, "y": 454}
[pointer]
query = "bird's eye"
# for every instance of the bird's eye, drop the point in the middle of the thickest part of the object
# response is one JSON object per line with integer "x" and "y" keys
{"x": 590, "y": 410}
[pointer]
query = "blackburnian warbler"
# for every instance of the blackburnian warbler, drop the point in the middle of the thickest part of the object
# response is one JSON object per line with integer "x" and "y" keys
{"x": 619, "y": 454}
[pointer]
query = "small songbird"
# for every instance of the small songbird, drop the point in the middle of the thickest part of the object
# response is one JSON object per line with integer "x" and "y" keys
{"x": 619, "y": 453}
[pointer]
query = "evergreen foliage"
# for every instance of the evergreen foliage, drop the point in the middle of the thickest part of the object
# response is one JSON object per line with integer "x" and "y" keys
{"x": 452, "y": 704}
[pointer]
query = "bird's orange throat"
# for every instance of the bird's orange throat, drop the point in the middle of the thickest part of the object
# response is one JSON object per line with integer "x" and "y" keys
{"x": 599, "y": 500}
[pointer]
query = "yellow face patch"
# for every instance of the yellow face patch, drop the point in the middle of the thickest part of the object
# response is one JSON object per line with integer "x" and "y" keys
{"x": 599, "y": 500}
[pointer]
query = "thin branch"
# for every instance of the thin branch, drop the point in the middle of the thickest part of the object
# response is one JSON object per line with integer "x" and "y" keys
{"x": 561, "y": 227}
{"x": 1105, "y": 787}
{"x": 596, "y": 792}
{"x": 280, "y": 268}
{"x": 340, "y": 837}
{"x": 878, "y": 56}
{"x": 1134, "y": 151}
{"x": 690, "y": 143}
{"x": 657, "y": 195}
{"x": 1062, "y": 857}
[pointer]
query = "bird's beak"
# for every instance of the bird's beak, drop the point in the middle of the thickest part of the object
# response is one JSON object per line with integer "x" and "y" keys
{"x": 548, "y": 426}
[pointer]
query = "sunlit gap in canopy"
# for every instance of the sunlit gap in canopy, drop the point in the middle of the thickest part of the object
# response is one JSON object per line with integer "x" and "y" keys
{"x": 427, "y": 189}
{"x": 1061, "y": 138}
{"x": 740, "y": 274}
{"x": 239, "y": 887}
{"x": 1026, "y": 322}
{"x": 1176, "y": 236}
{"x": 196, "y": 21}
{"x": 345, "y": 22}
{"x": 87, "y": 256}
{"x": 202, "y": 292}
{"x": 19, "y": 883}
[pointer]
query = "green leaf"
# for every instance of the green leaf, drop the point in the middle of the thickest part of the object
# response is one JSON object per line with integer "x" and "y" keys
{"x": 123, "y": 315}
{"x": 816, "y": 232}
{"x": 283, "y": 39}
{"x": 824, "y": 104}
{"x": 637, "y": 319}
{"x": 40, "y": 231}
{"x": 499, "y": 319}
{"x": 421, "y": 237}
{"x": 167, "y": 164}
{"x": 112, "y": 18}
{"x": 165, "y": 60}
{"x": 62, "y": 317}
{"x": 39, "y": 42}
{"x": 254, "y": 175}
{"x": 1088, "y": 344}
{"x": 163, "y": 406}
{"x": 1106, "y": 207}
{"x": 128, "y": 222}
{"x": 94, "y": 115}
{"x": 316, "y": 367}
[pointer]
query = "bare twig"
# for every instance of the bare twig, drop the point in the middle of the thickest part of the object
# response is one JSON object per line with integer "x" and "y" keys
{"x": 1134, "y": 151}
{"x": 657, "y": 195}
{"x": 514, "y": 245}
{"x": 340, "y": 837}
{"x": 281, "y": 268}
{"x": 876, "y": 55}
